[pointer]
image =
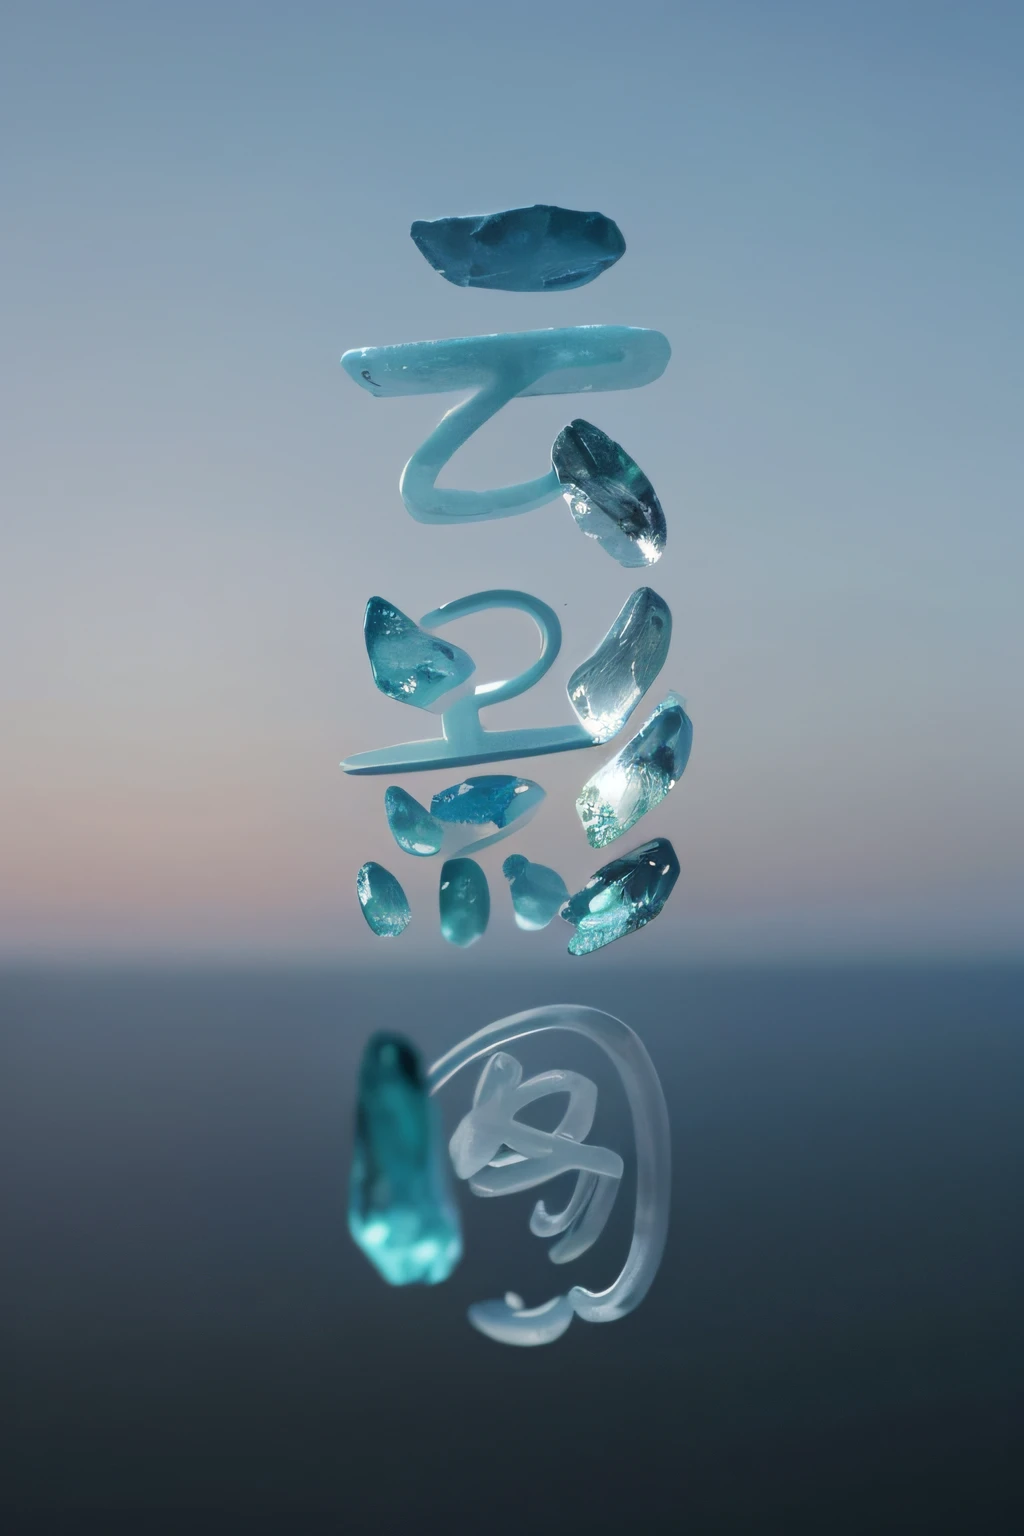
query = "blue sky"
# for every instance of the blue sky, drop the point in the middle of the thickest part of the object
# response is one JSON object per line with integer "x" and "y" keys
{"x": 206, "y": 204}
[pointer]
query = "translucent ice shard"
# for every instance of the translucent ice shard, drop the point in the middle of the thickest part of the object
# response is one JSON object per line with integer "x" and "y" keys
{"x": 383, "y": 901}
{"x": 407, "y": 662}
{"x": 622, "y": 897}
{"x": 538, "y": 892}
{"x": 401, "y": 1211}
{"x": 497, "y": 797}
{"x": 609, "y": 495}
{"x": 639, "y": 776}
{"x": 606, "y": 688}
{"x": 464, "y": 900}
{"x": 523, "y": 250}
{"x": 412, "y": 826}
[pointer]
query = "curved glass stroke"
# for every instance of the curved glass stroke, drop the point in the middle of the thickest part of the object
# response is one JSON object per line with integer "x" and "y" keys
{"x": 566, "y": 360}
{"x": 511, "y": 1324}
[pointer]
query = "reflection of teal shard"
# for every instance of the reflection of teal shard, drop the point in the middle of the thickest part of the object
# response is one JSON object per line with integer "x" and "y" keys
{"x": 383, "y": 901}
{"x": 498, "y": 368}
{"x": 639, "y": 776}
{"x": 409, "y": 664}
{"x": 538, "y": 892}
{"x": 606, "y": 688}
{"x": 522, "y": 250}
{"x": 463, "y": 738}
{"x": 401, "y": 1211}
{"x": 464, "y": 901}
{"x": 622, "y": 897}
{"x": 412, "y": 826}
{"x": 609, "y": 495}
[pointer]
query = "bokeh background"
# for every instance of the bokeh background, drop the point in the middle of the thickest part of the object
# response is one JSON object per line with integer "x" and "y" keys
{"x": 203, "y": 206}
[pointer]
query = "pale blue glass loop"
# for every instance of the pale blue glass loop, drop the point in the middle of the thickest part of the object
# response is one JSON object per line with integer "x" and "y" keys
{"x": 568, "y": 360}
{"x": 521, "y": 250}
{"x": 464, "y": 739}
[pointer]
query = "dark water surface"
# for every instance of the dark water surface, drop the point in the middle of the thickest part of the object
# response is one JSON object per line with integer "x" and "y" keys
{"x": 834, "y": 1344}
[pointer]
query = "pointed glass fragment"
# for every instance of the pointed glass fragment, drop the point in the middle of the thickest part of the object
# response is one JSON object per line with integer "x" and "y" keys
{"x": 523, "y": 250}
{"x": 401, "y": 1212}
{"x": 409, "y": 663}
{"x": 538, "y": 892}
{"x": 412, "y": 826}
{"x": 622, "y": 897}
{"x": 605, "y": 689}
{"x": 464, "y": 900}
{"x": 383, "y": 901}
{"x": 639, "y": 776}
{"x": 609, "y": 495}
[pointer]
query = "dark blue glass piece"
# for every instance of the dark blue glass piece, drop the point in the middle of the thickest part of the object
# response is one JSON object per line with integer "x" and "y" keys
{"x": 522, "y": 250}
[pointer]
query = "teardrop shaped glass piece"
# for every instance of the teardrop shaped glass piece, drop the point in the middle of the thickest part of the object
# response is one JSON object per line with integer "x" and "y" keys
{"x": 605, "y": 689}
{"x": 464, "y": 901}
{"x": 383, "y": 901}
{"x": 409, "y": 663}
{"x": 538, "y": 892}
{"x": 412, "y": 826}
{"x": 609, "y": 495}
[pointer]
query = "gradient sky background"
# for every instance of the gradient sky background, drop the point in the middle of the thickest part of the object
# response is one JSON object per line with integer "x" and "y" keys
{"x": 204, "y": 204}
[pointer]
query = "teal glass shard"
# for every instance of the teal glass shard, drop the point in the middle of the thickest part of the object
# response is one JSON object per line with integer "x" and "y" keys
{"x": 497, "y": 797}
{"x": 463, "y": 738}
{"x": 464, "y": 901}
{"x": 521, "y": 250}
{"x": 639, "y": 776}
{"x": 605, "y": 689}
{"x": 493, "y": 800}
{"x": 538, "y": 893}
{"x": 383, "y": 901}
{"x": 623, "y": 896}
{"x": 560, "y": 361}
{"x": 609, "y": 495}
{"x": 412, "y": 826}
{"x": 401, "y": 1211}
{"x": 407, "y": 662}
